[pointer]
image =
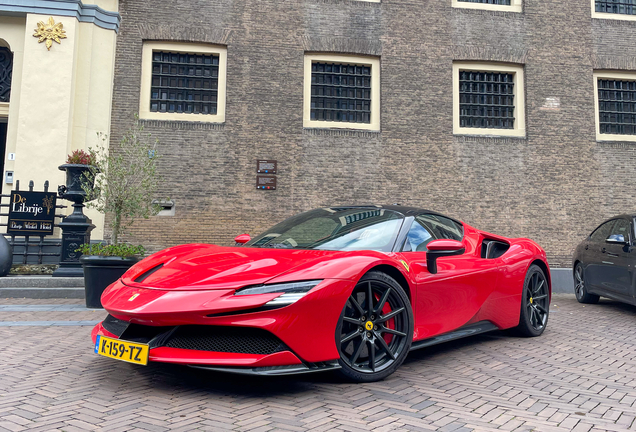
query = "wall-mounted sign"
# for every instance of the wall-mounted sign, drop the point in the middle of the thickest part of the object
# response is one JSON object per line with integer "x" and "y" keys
{"x": 266, "y": 182}
{"x": 551, "y": 103}
{"x": 266, "y": 166}
{"x": 31, "y": 213}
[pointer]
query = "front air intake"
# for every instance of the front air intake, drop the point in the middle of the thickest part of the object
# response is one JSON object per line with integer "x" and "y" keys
{"x": 244, "y": 340}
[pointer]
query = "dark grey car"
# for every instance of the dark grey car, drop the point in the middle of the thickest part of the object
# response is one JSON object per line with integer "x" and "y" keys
{"x": 604, "y": 262}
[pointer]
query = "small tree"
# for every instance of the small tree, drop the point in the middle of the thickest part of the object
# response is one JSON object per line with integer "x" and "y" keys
{"x": 126, "y": 179}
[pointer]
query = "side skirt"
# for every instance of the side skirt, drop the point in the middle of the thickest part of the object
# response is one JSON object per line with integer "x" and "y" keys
{"x": 462, "y": 332}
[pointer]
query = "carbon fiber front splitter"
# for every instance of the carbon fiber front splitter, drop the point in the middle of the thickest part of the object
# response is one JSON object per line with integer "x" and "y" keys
{"x": 275, "y": 370}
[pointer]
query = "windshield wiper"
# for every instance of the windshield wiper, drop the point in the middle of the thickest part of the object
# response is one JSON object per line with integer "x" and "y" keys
{"x": 281, "y": 246}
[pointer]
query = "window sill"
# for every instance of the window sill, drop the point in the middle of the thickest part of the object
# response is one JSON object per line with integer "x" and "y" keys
{"x": 612, "y": 16}
{"x": 487, "y": 7}
{"x": 336, "y": 125}
{"x": 487, "y": 133}
{"x": 610, "y": 139}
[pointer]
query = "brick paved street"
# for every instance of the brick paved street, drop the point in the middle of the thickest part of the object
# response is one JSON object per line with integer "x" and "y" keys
{"x": 581, "y": 376}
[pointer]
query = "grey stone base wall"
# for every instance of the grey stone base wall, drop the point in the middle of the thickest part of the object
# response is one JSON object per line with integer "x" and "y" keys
{"x": 562, "y": 281}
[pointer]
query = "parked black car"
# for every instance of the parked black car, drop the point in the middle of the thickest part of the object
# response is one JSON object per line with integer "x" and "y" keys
{"x": 604, "y": 262}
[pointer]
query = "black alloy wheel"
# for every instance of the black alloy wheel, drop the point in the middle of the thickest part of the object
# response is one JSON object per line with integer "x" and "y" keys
{"x": 580, "y": 290}
{"x": 535, "y": 303}
{"x": 375, "y": 329}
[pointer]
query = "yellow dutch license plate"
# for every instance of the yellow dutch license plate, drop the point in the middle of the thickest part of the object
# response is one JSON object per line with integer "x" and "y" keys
{"x": 130, "y": 352}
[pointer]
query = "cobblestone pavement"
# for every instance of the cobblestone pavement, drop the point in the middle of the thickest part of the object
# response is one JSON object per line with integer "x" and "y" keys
{"x": 580, "y": 375}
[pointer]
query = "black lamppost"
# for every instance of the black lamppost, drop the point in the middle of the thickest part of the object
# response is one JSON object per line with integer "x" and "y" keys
{"x": 76, "y": 227}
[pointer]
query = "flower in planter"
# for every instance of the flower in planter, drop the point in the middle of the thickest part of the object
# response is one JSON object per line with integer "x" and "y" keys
{"x": 81, "y": 157}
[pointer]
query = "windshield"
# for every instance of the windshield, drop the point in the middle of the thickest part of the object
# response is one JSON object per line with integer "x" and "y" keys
{"x": 342, "y": 229}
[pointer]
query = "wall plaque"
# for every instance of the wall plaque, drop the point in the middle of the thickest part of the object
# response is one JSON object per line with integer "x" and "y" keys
{"x": 31, "y": 213}
{"x": 266, "y": 182}
{"x": 266, "y": 166}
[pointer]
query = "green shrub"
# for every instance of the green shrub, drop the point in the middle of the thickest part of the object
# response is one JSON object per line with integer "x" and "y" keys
{"x": 123, "y": 250}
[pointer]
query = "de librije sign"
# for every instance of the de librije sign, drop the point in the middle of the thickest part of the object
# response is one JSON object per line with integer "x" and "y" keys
{"x": 31, "y": 213}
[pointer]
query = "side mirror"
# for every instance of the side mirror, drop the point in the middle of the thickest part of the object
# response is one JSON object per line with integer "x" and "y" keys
{"x": 616, "y": 239}
{"x": 242, "y": 239}
{"x": 440, "y": 248}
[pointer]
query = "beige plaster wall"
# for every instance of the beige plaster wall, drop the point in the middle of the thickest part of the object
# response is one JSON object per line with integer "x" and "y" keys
{"x": 65, "y": 99}
{"x": 108, "y": 5}
{"x": 12, "y": 30}
{"x": 93, "y": 95}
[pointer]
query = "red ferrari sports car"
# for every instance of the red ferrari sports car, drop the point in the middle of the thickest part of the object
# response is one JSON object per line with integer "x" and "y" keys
{"x": 348, "y": 288}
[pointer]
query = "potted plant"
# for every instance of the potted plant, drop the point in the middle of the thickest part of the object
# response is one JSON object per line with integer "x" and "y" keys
{"x": 121, "y": 184}
{"x": 103, "y": 264}
{"x": 78, "y": 167}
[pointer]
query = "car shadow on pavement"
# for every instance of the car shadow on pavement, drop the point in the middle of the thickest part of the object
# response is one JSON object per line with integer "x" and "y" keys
{"x": 455, "y": 345}
{"x": 168, "y": 377}
{"x": 616, "y": 306}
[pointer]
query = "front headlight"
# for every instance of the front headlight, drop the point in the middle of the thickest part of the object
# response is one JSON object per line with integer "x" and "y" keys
{"x": 291, "y": 292}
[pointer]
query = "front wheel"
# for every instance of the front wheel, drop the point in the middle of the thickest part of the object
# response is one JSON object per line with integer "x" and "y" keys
{"x": 375, "y": 329}
{"x": 535, "y": 303}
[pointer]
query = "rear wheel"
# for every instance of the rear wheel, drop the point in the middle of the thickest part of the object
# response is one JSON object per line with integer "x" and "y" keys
{"x": 375, "y": 330}
{"x": 535, "y": 303}
{"x": 579, "y": 287}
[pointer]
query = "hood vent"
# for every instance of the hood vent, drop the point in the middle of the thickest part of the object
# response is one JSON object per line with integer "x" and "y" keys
{"x": 147, "y": 273}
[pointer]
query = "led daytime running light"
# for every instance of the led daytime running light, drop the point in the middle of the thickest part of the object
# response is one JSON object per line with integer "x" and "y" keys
{"x": 283, "y": 288}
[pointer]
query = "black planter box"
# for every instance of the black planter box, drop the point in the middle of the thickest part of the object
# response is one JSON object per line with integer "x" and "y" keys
{"x": 101, "y": 271}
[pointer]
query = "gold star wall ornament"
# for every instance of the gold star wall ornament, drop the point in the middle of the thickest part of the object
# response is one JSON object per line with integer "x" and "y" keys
{"x": 50, "y": 32}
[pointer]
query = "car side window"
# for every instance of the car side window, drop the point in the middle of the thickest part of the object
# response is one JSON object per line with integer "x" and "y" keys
{"x": 603, "y": 232}
{"x": 417, "y": 238}
{"x": 621, "y": 228}
{"x": 442, "y": 227}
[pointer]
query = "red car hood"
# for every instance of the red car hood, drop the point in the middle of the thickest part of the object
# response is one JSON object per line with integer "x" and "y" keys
{"x": 202, "y": 266}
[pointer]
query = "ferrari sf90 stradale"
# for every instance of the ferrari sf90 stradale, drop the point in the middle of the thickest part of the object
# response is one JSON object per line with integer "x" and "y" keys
{"x": 348, "y": 288}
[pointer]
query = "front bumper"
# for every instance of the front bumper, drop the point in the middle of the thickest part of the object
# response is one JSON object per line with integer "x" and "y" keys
{"x": 306, "y": 328}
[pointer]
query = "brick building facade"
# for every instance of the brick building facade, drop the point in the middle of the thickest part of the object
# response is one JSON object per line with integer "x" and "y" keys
{"x": 554, "y": 181}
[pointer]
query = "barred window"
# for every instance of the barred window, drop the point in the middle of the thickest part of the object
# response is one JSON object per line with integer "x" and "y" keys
{"x": 617, "y": 107}
{"x": 623, "y": 7}
{"x": 486, "y": 100}
{"x": 6, "y": 69}
{"x": 340, "y": 92}
{"x": 184, "y": 83}
{"x": 492, "y": 2}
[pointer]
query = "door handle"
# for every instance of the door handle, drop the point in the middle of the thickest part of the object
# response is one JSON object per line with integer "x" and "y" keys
{"x": 612, "y": 255}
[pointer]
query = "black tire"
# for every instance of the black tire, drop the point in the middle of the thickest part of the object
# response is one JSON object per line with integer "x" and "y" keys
{"x": 535, "y": 304}
{"x": 374, "y": 338}
{"x": 580, "y": 290}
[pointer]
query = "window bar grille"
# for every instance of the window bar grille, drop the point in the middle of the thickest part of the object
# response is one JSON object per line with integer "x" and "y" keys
{"x": 486, "y": 100}
{"x": 623, "y": 7}
{"x": 184, "y": 83}
{"x": 340, "y": 92}
{"x": 617, "y": 107}
{"x": 6, "y": 72}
